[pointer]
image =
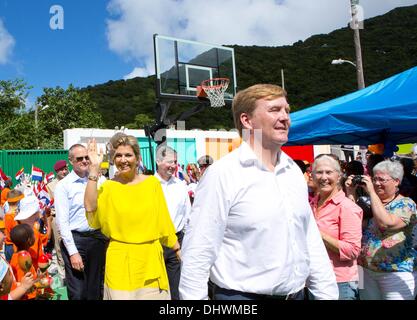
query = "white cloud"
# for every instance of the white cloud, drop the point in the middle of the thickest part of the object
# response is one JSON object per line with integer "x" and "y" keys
{"x": 243, "y": 22}
{"x": 6, "y": 44}
{"x": 138, "y": 72}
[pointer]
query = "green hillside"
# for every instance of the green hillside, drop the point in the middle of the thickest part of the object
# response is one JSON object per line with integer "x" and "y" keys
{"x": 389, "y": 46}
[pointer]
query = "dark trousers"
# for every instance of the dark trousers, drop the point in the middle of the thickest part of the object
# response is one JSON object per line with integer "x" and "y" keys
{"x": 173, "y": 267}
{"x": 228, "y": 294}
{"x": 86, "y": 285}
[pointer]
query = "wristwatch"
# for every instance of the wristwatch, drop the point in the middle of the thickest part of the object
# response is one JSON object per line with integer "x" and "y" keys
{"x": 93, "y": 178}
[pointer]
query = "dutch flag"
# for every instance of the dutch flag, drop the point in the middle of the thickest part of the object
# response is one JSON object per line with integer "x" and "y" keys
{"x": 37, "y": 174}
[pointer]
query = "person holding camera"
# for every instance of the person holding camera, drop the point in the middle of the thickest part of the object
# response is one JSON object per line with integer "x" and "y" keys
{"x": 340, "y": 223}
{"x": 387, "y": 256}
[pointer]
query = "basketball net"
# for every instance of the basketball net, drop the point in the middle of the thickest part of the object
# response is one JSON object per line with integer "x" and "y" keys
{"x": 215, "y": 89}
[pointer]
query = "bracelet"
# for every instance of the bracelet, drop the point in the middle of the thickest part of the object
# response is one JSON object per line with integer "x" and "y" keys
{"x": 93, "y": 178}
{"x": 176, "y": 250}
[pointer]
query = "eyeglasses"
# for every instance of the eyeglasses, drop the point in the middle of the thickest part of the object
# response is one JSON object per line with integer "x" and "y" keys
{"x": 380, "y": 180}
{"x": 79, "y": 159}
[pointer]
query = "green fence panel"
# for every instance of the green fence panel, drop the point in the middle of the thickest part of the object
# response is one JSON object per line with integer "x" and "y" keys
{"x": 185, "y": 147}
{"x": 11, "y": 161}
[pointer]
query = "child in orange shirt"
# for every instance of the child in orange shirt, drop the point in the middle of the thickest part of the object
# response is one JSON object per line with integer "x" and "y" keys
{"x": 29, "y": 214}
{"x": 13, "y": 198}
{"x": 10, "y": 289}
{"x": 23, "y": 238}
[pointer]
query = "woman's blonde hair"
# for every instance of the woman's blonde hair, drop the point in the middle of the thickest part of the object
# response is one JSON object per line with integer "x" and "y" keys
{"x": 122, "y": 139}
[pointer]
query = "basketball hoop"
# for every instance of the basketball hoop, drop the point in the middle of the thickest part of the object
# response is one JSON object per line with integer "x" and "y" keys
{"x": 215, "y": 89}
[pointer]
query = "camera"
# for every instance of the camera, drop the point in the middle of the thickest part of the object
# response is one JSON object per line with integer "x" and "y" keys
{"x": 357, "y": 181}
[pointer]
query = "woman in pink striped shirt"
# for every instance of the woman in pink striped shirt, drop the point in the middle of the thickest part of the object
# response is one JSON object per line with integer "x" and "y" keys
{"x": 340, "y": 223}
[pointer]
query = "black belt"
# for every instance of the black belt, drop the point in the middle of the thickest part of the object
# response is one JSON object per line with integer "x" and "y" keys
{"x": 257, "y": 296}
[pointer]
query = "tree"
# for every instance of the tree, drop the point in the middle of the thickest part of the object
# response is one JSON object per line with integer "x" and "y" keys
{"x": 141, "y": 120}
{"x": 16, "y": 128}
{"x": 19, "y": 134}
{"x": 62, "y": 109}
{"x": 13, "y": 94}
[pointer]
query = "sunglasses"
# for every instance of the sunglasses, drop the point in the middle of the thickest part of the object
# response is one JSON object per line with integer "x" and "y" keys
{"x": 79, "y": 159}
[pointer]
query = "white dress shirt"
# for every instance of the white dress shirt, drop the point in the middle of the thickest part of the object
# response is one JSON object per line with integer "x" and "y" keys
{"x": 69, "y": 208}
{"x": 178, "y": 201}
{"x": 253, "y": 230}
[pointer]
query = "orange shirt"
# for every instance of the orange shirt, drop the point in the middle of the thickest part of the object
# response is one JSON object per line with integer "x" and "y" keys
{"x": 37, "y": 249}
{"x": 19, "y": 274}
{"x": 9, "y": 224}
{"x": 3, "y": 198}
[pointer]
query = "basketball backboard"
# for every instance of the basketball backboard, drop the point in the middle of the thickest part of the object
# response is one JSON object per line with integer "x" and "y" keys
{"x": 181, "y": 66}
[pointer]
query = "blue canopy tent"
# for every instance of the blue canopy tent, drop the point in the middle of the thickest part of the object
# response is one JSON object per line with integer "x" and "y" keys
{"x": 385, "y": 112}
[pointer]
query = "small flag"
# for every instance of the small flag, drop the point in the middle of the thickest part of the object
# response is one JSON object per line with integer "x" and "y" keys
{"x": 44, "y": 197}
{"x": 179, "y": 173}
{"x": 37, "y": 174}
{"x": 49, "y": 177}
{"x": 19, "y": 174}
{"x": 3, "y": 175}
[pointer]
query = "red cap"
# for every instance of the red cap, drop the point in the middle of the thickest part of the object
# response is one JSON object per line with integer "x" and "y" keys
{"x": 59, "y": 165}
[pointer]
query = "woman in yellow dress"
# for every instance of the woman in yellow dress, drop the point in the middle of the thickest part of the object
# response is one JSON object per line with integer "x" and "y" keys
{"x": 132, "y": 212}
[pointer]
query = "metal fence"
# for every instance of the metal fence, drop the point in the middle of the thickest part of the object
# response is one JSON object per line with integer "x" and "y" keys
{"x": 11, "y": 161}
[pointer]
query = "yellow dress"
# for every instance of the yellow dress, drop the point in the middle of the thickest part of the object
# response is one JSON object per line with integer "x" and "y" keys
{"x": 136, "y": 220}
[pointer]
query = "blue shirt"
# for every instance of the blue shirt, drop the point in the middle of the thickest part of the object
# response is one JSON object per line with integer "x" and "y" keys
{"x": 69, "y": 208}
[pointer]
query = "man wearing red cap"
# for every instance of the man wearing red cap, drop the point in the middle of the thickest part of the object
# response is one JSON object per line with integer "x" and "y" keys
{"x": 61, "y": 169}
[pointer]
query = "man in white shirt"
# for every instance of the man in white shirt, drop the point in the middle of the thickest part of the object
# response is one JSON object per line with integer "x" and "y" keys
{"x": 251, "y": 228}
{"x": 179, "y": 207}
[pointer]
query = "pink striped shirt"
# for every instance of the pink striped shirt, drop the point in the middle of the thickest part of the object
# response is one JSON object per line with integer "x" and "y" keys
{"x": 341, "y": 219}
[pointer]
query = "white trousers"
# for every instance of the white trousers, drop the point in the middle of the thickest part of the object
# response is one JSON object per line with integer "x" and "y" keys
{"x": 388, "y": 285}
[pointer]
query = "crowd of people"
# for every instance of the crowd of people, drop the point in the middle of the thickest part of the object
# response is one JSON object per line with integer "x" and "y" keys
{"x": 252, "y": 225}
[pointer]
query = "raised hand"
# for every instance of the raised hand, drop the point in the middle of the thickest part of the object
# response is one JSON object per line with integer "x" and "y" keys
{"x": 95, "y": 156}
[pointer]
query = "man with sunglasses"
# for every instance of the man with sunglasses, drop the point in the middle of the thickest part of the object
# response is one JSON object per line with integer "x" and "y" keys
{"x": 83, "y": 248}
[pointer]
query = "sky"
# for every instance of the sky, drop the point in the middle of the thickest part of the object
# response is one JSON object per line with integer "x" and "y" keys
{"x": 87, "y": 42}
